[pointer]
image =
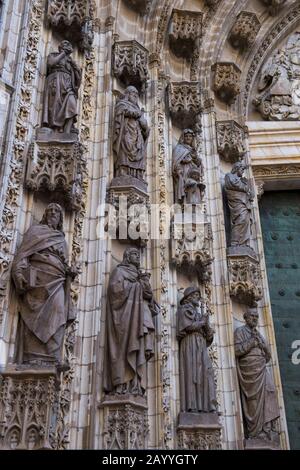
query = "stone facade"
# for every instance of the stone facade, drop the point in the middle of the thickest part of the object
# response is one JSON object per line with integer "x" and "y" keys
{"x": 238, "y": 78}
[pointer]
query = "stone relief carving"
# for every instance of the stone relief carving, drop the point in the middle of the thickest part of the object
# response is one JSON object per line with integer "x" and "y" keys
{"x": 273, "y": 171}
{"x": 274, "y": 6}
{"x": 185, "y": 32}
{"x": 57, "y": 169}
{"x": 230, "y": 140}
{"x": 27, "y": 409}
{"x": 240, "y": 196}
{"x": 42, "y": 278}
{"x": 279, "y": 84}
{"x": 184, "y": 103}
{"x": 61, "y": 94}
{"x": 73, "y": 19}
{"x": 187, "y": 170}
{"x": 244, "y": 31}
{"x": 142, "y": 6}
{"x": 204, "y": 439}
{"x": 245, "y": 278}
{"x": 130, "y": 64}
{"x": 129, "y": 344}
{"x": 258, "y": 392}
{"x": 226, "y": 81}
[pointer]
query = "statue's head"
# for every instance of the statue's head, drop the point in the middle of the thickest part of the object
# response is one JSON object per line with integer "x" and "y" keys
{"x": 53, "y": 217}
{"x": 191, "y": 295}
{"x": 251, "y": 317}
{"x": 65, "y": 46}
{"x": 132, "y": 256}
{"x": 187, "y": 137}
{"x": 239, "y": 168}
{"x": 131, "y": 94}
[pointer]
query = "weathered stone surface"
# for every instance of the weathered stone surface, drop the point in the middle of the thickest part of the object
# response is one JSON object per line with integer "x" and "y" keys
{"x": 230, "y": 140}
{"x": 185, "y": 31}
{"x": 274, "y": 6}
{"x": 244, "y": 275}
{"x": 130, "y": 64}
{"x": 184, "y": 103}
{"x": 226, "y": 81}
{"x": 244, "y": 32}
{"x": 142, "y": 6}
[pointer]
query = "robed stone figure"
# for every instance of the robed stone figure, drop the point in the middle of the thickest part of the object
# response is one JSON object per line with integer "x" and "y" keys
{"x": 130, "y": 136}
{"x": 129, "y": 327}
{"x": 196, "y": 375}
{"x": 42, "y": 278}
{"x": 258, "y": 394}
{"x": 240, "y": 197}
{"x": 61, "y": 90}
{"x": 187, "y": 170}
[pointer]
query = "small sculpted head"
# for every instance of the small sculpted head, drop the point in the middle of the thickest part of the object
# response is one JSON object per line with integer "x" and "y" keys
{"x": 65, "y": 46}
{"x": 251, "y": 317}
{"x": 53, "y": 217}
{"x": 239, "y": 168}
{"x": 131, "y": 94}
{"x": 132, "y": 256}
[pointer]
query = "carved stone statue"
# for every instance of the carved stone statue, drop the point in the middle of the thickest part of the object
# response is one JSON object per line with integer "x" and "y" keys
{"x": 42, "y": 278}
{"x": 187, "y": 170}
{"x": 130, "y": 136}
{"x": 197, "y": 387}
{"x": 129, "y": 327}
{"x": 61, "y": 90}
{"x": 240, "y": 197}
{"x": 258, "y": 394}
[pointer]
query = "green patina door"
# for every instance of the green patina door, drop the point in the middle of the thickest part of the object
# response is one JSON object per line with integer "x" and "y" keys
{"x": 280, "y": 220}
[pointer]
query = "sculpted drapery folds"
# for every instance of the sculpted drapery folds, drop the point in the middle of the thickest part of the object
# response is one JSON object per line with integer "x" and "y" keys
{"x": 61, "y": 90}
{"x": 42, "y": 278}
{"x": 130, "y": 136}
{"x": 187, "y": 170}
{"x": 197, "y": 387}
{"x": 240, "y": 197}
{"x": 130, "y": 328}
{"x": 258, "y": 395}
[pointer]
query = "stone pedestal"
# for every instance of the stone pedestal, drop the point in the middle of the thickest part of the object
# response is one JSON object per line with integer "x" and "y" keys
{"x": 261, "y": 444}
{"x": 244, "y": 275}
{"x": 199, "y": 431}
{"x": 27, "y": 399}
{"x": 126, "y": 422}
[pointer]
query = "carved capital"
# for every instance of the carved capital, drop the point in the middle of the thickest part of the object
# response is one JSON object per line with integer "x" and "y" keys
{"x": 185, "y": 31}
{"x": 274, "y": 6}
{"x": 226, "y": 81}
{"x": 244, "y": 277}
{"x": 184, "y": 103}
{"x": 74, "y": 20}
{"x": 244, "y": 31}
{"x": 57, "y": 168}
{"x": 27, "y": 399}
{"x": 142, "y": 6}
{"x": 230, "y": 140}
{"x": 130, "y": 63}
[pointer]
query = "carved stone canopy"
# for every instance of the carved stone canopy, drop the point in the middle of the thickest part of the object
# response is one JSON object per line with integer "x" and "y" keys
{"x": 57, "y": 169}
{"x": 184, "y": 103}
{"x": 74, "y": 20}
{"x": 226, "y": 81}
{"x": 230, "y": 140}
{"x": 244, "y": 275}
{"x": 142, "y": 6}
{"x": 185, "y": 31}
{"x": 130, "y": 64}
{"x": 274, "y": 6}
{"x": 244, "y": 31}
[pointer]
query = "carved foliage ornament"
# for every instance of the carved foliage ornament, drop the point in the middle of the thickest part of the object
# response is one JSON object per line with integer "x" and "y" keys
{"x": 130, "y": 64}
{"x": 244, "y": 31}
{"x": 245, "y": 279}
{"x": 184, "y": 103}
{"x": 204, "y": 439}
{"x": 231, "y": 140}
{"x": 226, "y": 81}
{"x": 185, "y": 30}
{"x": 74, "y": 18}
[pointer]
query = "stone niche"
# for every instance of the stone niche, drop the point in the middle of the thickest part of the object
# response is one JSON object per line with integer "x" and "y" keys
{"x": 130, "y": 64}
{"x": 184, "y": 32}
{"x": 141, "y": 6}
{"x": 27, "y": 408}
{"x": 74, "y": 20}
{"x": 125, "y": 422}
{"x": 244, "y": 275}
{"x": 57, "y": 168}
{"x": 199, "y": 431}
{"x": 191, "y": 245}
{"x": 230, "y": 140}
{"x": 244, "y": 32}
{"x": 226, "y": 83}
{"x": 184, "y": 103}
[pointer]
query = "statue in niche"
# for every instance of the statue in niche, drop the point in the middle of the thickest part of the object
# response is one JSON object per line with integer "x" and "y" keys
{"x": 187, "y": 170}
{"x": 129, "y": 327}
{"x": 197, "y": 387}
{"x": 61, "y": 90}
{"x": 130, "y": 136}
{"x": 258, "y": 394}
{"x": 240, "y": 197}
{"x": 42, "y": 278}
